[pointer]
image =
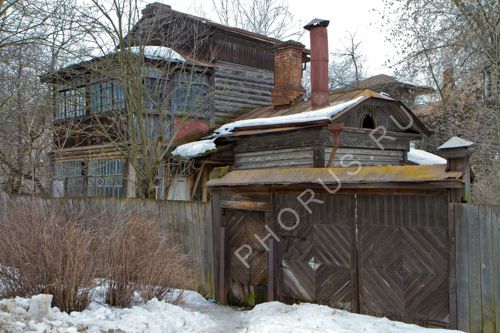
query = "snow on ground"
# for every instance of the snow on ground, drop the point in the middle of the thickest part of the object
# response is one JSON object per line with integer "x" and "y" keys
{"x": 422, "y": 157}
{"x": 195, "y": 314}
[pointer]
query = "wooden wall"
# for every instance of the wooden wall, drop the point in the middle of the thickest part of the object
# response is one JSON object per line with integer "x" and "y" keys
{"x": 239, "y": 87}
{"x": 477, "y": 243}
{"x": 190, "y": 223}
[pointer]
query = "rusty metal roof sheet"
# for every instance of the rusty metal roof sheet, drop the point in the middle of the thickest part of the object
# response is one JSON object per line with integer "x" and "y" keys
{"x": 351, "y": 175}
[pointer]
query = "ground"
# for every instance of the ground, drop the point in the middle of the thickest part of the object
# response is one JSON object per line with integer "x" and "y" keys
{"x": 194, "y": 314}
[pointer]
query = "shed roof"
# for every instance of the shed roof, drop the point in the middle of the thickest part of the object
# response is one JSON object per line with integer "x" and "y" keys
{"x": 335, "y": 99}
{"x": 345, "y": 176}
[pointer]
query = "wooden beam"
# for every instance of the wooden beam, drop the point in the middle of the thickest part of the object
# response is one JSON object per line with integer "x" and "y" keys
{"x": 272, "y": 271}
{"x": 224, "y": 266}
{"x": 245, "y": 205}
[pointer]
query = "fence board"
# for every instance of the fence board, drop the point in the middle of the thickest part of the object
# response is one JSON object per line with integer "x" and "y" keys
{"x": 495, "y": 221}
{"x": 487, "y": 291}
{"x": 478, "y": 267}
{"x": 462, "y": 268}
{"x": 474, "y": 269}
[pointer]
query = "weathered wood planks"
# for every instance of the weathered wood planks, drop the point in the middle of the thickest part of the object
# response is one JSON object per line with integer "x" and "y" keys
{"x": 477, "y": 267}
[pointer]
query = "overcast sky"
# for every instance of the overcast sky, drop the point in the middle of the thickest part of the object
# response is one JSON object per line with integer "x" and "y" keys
{"x": 356, "y": 16}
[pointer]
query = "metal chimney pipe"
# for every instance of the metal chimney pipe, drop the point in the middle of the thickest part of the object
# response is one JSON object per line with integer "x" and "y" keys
{"x": 320, "y": 94}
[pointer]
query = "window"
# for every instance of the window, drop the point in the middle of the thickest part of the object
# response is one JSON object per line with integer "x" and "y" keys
{"x": 105, "y": 178}
{"x": 368, "y": 122}
{"x": 107, "y": 96}
{"x": 69, "y": 177}
{"x": 71, "y": 103}
{"x": 189, "y": 94}
{"x": 155, "y": 94}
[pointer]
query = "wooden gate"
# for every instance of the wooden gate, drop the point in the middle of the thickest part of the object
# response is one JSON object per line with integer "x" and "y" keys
{"x": 247, "y": 285}
{"x": 318, "y": 262}
{"x": 377, "y": 254}
{"x": 403, "y": 257}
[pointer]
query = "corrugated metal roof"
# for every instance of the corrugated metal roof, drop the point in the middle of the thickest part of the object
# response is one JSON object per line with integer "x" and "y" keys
{"x": 365, "y": 175}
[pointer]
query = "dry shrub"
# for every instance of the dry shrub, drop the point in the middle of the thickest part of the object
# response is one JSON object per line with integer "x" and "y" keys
{"x": 139, "y": 257}
{"x": 46, "y": 251}
{"x": 48, "y": 247}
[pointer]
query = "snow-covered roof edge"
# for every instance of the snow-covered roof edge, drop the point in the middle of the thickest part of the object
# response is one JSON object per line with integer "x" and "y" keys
{"x": 422, "y": 157}
{"x": 198, "y": 148}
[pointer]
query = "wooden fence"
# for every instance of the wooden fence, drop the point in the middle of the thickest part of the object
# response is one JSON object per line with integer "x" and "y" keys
{"x": 477, "y": 239}
{"x": 190, "y": 223}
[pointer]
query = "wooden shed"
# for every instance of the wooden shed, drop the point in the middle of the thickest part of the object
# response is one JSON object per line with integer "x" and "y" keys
{"x": 325, "y": 201}
{"x": 316, "y": 211}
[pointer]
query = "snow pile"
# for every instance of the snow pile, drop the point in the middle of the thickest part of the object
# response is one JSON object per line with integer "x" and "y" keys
{"x": 194, "y": 149}
{"x": 158, "y": 53}
{"x": 422, "y": 157}
{"x": 195, "y": 314}
{"x": 275, "y": 317}
{"x": 197, "y": 148}
{"x": 17, "y": 315}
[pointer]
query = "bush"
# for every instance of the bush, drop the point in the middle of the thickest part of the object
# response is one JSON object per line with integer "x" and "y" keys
{"x": 138, "y": 257}
{"x": 46, "y": 251}
{"x": 66, "y": 252}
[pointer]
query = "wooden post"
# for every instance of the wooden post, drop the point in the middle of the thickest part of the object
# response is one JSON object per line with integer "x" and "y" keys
{"x": 457, "y": 152}
{"x": 224, "y": 266}
{"x": 272, "y": 271}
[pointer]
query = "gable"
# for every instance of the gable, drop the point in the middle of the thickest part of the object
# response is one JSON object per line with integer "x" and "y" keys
{"x": 392, "y": 115}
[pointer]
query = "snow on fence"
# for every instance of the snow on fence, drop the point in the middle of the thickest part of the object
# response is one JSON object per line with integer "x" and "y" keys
{"x": 477, "y": 243}
{"x": 189, "y": 222}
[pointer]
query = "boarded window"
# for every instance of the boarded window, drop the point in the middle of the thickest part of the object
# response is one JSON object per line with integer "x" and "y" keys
{"x": 105, "y": 178}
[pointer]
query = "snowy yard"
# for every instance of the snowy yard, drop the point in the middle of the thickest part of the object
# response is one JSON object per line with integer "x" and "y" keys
{"x": 194, "y": 314}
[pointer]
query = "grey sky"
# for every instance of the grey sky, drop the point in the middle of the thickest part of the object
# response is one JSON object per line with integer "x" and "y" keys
{"x": 356, "y": 16}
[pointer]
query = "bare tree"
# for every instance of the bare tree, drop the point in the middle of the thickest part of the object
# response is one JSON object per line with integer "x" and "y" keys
{"x": 347, "y": 64}
{"x": 455, "y": 46}
{"x": 268, "y": 17}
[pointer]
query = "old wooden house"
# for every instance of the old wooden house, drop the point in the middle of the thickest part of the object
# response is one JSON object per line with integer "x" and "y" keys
{"x": 197, "y": 73}
{"x": 324, "y": 200}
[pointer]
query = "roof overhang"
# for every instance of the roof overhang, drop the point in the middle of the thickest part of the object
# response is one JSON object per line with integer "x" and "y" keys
{"x": 380, "y": 176}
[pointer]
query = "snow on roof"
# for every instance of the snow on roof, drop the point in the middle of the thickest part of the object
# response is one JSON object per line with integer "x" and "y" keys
{"x": 158, "y": 53}
{"x": 302, "y": 117}
{"x": 198, "y": 148}
{"x": 455, "y": 142}
{"x": 194, "y": 149}
{"x": 422, "y": 157}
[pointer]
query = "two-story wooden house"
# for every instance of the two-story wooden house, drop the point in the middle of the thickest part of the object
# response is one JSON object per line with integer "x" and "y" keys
{"x": 196, "y": 73}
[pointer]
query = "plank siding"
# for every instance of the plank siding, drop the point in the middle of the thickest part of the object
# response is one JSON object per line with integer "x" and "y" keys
{"x": 239, "y": 87}
{"x": 275, "y": 158}
{"x": 345, "y": 156}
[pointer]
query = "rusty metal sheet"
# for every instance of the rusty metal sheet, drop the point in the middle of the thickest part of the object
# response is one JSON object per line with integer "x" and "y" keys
{"x": 365, "y": 175}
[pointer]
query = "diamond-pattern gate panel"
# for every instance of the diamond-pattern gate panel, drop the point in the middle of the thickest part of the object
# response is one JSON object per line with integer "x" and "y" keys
{"x": 317, "y": 255}
{"x": 403, "y": 257}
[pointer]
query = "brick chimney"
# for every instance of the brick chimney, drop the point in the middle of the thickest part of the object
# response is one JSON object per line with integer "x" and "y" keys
{"x": 320, "y": 94}
{"x": 288, "y": 88}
